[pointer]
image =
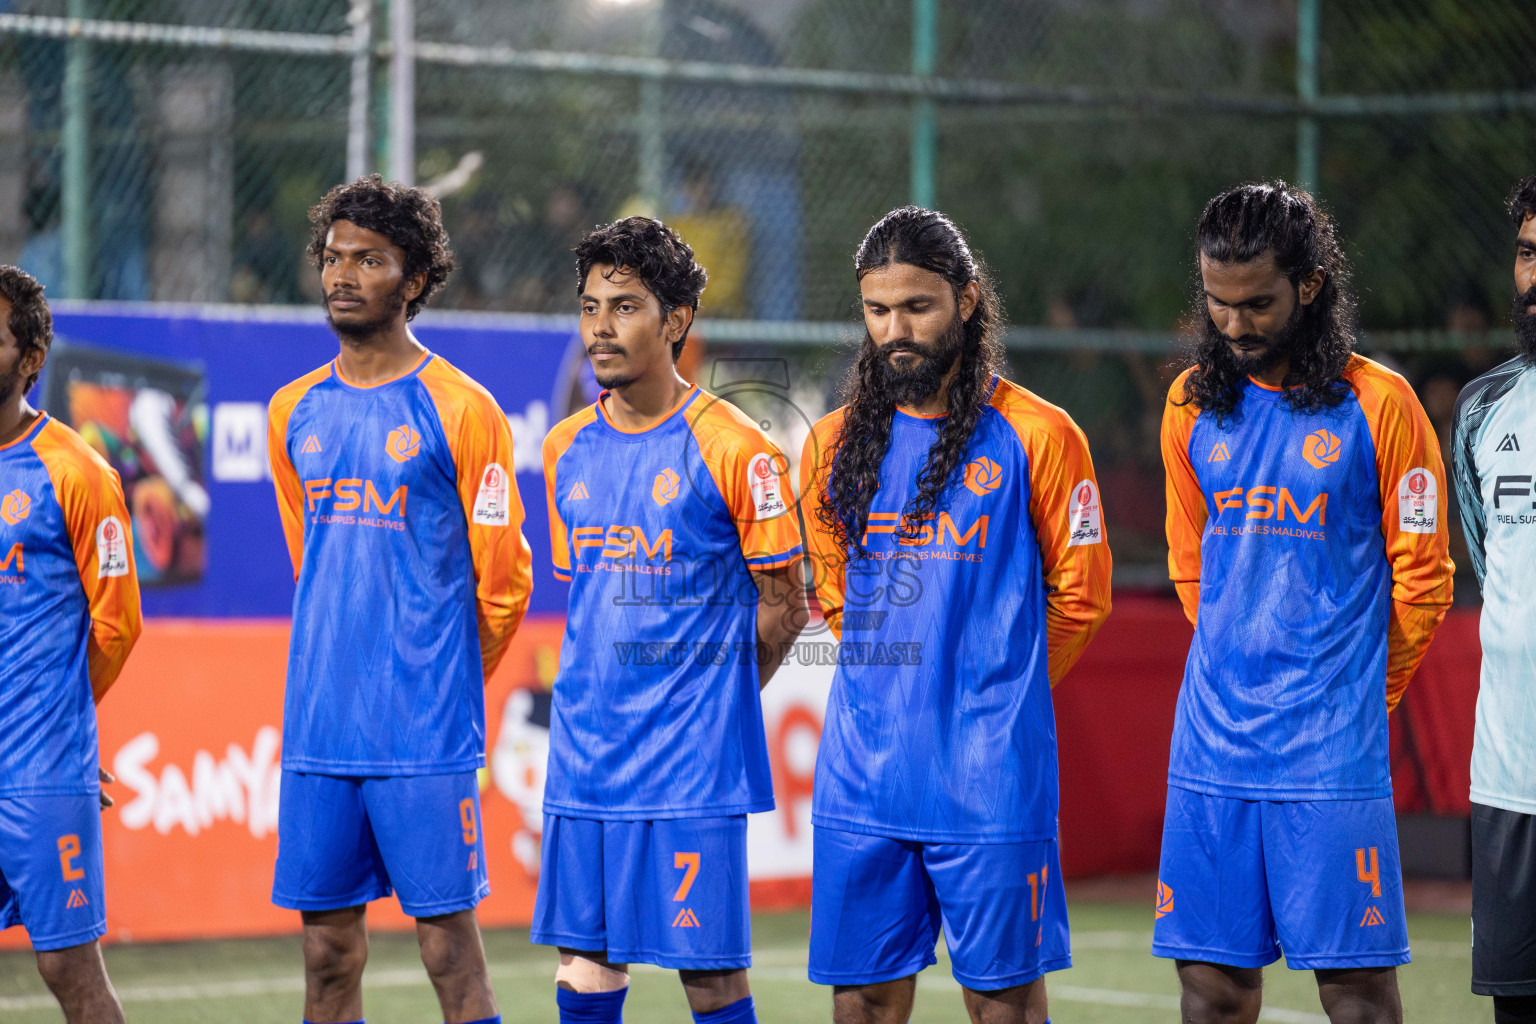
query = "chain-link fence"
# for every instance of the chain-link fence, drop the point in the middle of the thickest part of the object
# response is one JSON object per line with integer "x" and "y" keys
{"x": 168, "y": 150}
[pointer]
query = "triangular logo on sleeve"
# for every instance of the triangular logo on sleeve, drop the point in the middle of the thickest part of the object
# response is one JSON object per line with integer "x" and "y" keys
{"x": 1511, "y": 443}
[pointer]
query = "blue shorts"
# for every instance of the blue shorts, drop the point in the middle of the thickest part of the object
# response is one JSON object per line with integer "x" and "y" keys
{"x": 51, "y": 877}
{"x": 1240, "y": 880}
{"x": 671, "y": 893}
{"x": 344, "y": 841}
{"x": 877, "y": 906}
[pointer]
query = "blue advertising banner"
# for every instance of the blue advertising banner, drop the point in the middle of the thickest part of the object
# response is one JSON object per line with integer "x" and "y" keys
{"x": 176, "y": 397}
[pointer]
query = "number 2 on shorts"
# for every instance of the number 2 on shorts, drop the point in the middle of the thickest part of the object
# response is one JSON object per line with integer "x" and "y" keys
{"x": 688, "y": 863}
{"x": 69, "y": 849}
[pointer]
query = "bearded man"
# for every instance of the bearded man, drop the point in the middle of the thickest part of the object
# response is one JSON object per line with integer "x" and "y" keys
{"x": 959, "y": 552}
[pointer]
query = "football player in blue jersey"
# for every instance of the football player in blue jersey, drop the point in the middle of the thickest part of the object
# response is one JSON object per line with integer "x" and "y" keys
{"x": 69, "y": 616}
{"x": 955, "y": 516}
{"x": 1493, "y": 452}
{"x": 393, "y": 473}
{"x": 672, "y": 519}
{"x": 1307, "y": 542}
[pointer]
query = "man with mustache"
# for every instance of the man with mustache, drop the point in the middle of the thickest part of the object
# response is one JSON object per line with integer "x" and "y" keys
{"x": 69, "y": 616}
{"x": 1493, "y": 457}
{"x": 958, "y": 545}
{"x": 394, "y": 482}
{"x": 1307, "y": 541}
{"x": 670, "y": 516}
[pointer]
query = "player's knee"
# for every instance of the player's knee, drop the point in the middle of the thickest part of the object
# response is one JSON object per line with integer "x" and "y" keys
{"x": 335, "y": 958}
{"x": 1211, "y": 1001}
{"x": 63, "y": 971}
{"x": 580, "y": 974}
{"x": 449, "y": 956}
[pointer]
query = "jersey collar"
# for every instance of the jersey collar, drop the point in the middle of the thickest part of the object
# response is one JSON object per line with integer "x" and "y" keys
{"x": 28, "y": 434}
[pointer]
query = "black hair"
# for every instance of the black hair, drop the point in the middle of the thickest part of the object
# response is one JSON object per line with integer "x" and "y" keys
{"x": 409, "y": 217}
{"x": 1522, "y": 201}
{"x": 30, "y": 322}
{"x": 654, "y": 253}
{"x": 931, "y": 241}
{"x": 1274, "y": 219}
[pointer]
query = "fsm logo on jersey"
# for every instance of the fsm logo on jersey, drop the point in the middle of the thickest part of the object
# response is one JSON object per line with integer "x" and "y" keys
{"x": 15, "y": 507}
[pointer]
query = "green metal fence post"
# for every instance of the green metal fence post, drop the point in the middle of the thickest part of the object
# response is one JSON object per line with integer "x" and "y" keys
{"x": 1307, "y": 143}
{"x": 75, "y": 197}
{"x": 925, "y": 129}
{"x": 652, "y": 155}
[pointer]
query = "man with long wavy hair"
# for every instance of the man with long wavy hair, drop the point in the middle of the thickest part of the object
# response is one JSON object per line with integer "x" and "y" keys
{"x": 960, "y": 556}
{"x": 1307, "y": 537}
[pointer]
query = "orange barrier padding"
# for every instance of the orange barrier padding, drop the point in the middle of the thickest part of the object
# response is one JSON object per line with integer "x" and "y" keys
{"x": 193, "y": 731}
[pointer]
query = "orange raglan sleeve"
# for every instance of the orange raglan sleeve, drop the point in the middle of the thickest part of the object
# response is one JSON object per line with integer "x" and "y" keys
{"x": 1068, "y": 515}
{"x": 1413, "y": 518}
{"x": 494, "y": 509}
{"x": 480, "y": 441}
{"x": 285, "y": 479}
{"x": 96, "y": 516}
{"x": 828, "y": 562}
{"x": 1186, "y": 501}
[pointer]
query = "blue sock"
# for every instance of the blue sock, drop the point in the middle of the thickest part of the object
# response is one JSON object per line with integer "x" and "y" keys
{"x": 591, "y": 1007}
{"x": 497, "y": 1020}
{"x": 739, "y": 1012}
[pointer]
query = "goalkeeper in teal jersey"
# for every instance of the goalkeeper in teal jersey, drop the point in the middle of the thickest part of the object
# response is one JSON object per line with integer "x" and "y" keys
{"x": 1493, "y": 455}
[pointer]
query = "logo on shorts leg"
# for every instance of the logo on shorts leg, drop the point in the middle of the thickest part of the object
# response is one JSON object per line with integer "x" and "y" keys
{"x": 76, "y": 899}
{"x": 1372, "y": 917}
{"x": 1164, "y": 901}
{"x": 685, "y": 919}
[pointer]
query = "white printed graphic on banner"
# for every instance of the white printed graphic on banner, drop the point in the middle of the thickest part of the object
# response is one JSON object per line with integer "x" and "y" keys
{"x": 1084, "y": 517}
{"x": 240, "y": 442}
{"x": 240, "y": 787}
{"x": 491, "y": 503}
{"x": 1418, "y": 502}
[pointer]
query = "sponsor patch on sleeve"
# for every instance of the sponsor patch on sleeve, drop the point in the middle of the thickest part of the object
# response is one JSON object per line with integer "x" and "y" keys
{"x": 111, "y": 548}
{"x": 1418, "y": 503}
{"x": 1084, "y": 517}
{"x": 763, "y": 482}
{"x": 491, "y": 507}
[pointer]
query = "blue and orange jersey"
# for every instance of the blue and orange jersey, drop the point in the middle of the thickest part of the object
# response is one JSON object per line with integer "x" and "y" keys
{"x": 405, "y": 528}
{"x": 1309, "y": 550}
{"x": 69, "y": 606}
{"x": 939, "y": 727}
{"x": 656, "y": 711}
